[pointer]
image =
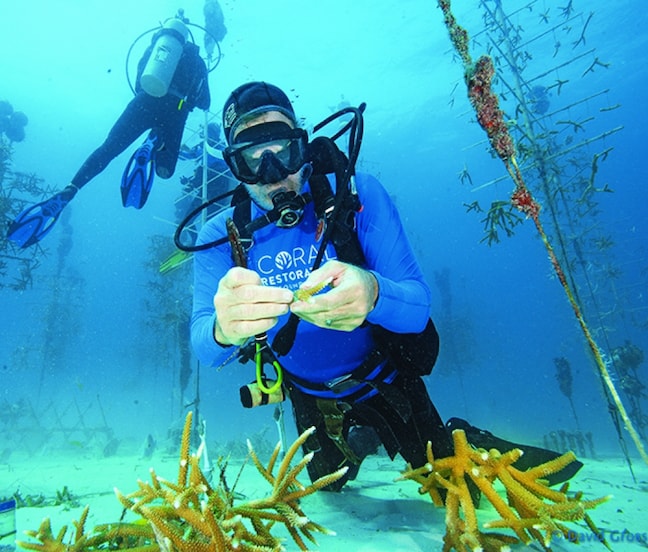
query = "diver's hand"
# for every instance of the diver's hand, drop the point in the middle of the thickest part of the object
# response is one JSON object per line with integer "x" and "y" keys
{"x": 346, "y": 306}
{"x": 245, "y": 307}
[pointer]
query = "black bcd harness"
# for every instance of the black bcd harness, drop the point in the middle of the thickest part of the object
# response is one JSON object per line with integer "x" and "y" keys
{"x": 413, "y": 353}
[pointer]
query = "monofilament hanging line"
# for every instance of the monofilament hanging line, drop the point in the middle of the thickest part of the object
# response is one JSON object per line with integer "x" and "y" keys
{"x": 485, "y": 102}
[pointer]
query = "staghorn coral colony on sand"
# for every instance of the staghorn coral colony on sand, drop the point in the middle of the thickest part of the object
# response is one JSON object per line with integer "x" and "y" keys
{"x": 192, "y": 515}
{"x": 532, "y": 511}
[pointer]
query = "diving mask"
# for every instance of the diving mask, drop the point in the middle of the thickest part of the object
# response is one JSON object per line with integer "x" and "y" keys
{"x": 267, "y": 153}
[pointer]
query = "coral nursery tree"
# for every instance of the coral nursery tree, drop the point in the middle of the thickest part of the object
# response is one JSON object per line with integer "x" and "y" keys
{"x": 17, "y": 190}
{"x": 552, "y": 167}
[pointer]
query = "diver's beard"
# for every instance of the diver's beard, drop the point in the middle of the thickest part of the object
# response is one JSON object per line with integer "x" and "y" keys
{"x": 262, "y": 194}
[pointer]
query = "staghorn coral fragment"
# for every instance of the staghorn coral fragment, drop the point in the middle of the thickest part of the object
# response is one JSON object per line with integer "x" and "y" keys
{"x": 184, "y": 450}
{"x": 48, "y": 542}
{"x": 422, "y": 476}
{"x": 304, "y": 294}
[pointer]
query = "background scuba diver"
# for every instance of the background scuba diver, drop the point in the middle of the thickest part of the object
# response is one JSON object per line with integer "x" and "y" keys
{"x": 171, "y": 82}
{"x": 354, "y": 367}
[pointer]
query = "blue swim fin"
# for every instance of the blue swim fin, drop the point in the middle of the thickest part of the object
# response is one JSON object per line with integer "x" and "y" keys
{"x": 138, "y": 175}
{"x": 35, "y": 222}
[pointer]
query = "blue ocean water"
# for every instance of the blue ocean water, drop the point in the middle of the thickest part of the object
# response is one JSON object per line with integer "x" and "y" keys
{"x": 94, "y": 338}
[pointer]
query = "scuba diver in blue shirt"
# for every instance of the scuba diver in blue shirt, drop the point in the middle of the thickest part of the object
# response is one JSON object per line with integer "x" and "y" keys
{"x": 172, "y": 80}
{"x": 310, "y": 274}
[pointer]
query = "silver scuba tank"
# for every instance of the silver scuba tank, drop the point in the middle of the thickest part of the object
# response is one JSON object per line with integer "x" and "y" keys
{"x": 162, "y": 63}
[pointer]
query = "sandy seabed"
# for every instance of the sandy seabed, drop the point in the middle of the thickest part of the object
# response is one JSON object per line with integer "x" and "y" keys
{"x": 372, "y": 513}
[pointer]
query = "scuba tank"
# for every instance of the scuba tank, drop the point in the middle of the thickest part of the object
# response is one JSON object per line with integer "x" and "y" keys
{"x": 162, "y": 63}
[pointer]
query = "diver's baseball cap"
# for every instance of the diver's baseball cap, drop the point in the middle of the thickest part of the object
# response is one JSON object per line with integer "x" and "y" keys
{"x": 254, "y": 98}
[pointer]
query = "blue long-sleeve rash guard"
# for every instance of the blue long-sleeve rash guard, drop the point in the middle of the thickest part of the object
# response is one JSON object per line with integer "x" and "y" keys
{"x": 284, "y": 257}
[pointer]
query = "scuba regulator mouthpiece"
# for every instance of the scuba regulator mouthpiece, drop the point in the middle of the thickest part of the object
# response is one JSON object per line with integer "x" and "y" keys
{"x": 288, "y": 208}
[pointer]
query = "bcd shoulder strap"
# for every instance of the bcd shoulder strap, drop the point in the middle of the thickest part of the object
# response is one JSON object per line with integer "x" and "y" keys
{"x": 242, "y": 214}
{"x": 343, "y": 234}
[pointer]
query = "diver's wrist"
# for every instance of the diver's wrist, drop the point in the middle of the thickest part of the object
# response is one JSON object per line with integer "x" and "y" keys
{"x": 221, "y": 339}
{"x": 219, "y": 336}
{"x": 374, "y": 289}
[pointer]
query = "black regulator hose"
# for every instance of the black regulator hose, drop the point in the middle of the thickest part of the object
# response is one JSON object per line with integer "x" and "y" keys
{"x": 191, "y": 248}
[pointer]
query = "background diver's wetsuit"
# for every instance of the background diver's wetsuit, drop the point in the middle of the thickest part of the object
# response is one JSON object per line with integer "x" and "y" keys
{"x": 400, "y": 411}
{"x": 166, "y": 116}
